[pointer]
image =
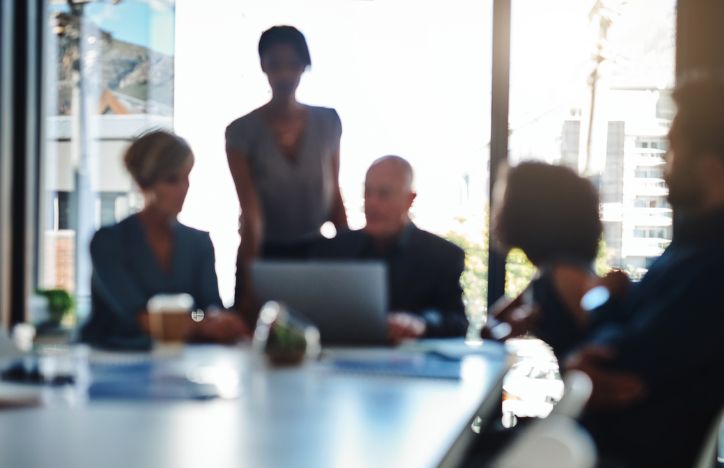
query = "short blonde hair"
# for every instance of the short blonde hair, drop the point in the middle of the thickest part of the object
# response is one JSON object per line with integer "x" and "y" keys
{"x": 156, "y": 155}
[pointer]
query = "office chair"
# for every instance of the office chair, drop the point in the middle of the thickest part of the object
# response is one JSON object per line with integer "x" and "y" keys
{"x": 709, "y": 453}
{"x": 556, "y": 440}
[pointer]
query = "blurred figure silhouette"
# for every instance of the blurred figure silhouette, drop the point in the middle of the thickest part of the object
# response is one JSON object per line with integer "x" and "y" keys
{"x": 656, "y": 353}
{"x": 669, "y": 330}
{"x": 551, "y": 214}
{"x": 425, "y": 296}
{"x": 284, "y": 159}
{"x": 151, "y": 253}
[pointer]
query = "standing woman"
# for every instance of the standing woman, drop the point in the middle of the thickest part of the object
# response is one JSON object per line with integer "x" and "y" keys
{"x": 284, "y": 159}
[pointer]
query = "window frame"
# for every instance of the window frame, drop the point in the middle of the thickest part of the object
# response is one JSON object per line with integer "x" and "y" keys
{"x": 21, "y": 67}
{"x": 6, "y": 85}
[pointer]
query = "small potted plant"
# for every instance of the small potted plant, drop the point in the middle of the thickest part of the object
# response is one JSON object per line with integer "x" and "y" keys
{"x": 60, "y": 305}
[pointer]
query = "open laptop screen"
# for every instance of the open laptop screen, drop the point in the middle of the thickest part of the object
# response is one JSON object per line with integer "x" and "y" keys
{"x": 347, "y": 301}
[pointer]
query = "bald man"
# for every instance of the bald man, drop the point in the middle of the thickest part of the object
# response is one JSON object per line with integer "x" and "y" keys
{"x": 425, "y": 297}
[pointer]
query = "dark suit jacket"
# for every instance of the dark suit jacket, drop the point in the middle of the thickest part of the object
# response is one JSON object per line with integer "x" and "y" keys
{"x": 670, "y": 332}
{"x": 423, "y": 275}
{"x": 126, "y": 275}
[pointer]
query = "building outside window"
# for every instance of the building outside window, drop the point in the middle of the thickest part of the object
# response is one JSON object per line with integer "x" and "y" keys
{"x": 591, "y": 88}
{"x": 110, "y": 76}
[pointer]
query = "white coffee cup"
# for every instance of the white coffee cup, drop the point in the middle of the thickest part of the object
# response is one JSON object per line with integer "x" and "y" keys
{"x": 169, "y": 316}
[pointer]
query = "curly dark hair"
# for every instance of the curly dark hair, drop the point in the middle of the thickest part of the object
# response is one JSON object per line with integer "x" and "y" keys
{"x": 549, "y": 212}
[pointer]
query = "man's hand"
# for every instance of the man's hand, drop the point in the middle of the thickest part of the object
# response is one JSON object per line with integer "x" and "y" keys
{"x": 403, "y": 325}
{"x": 611, "y": 389}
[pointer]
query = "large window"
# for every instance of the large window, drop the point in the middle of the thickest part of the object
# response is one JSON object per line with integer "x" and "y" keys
{"x": 109, "y": 76}
{"x": 590, "y": 88}
{"x": 408, "y": 78}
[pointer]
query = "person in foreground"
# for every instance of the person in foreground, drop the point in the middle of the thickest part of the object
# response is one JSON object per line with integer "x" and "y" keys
{"x": 656, "y": 356}
{"x": 669, "y": 330}
{"x": 425, "y": 296}
{"x": 151, "y": 253}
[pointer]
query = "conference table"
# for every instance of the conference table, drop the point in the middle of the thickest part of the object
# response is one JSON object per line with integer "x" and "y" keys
{"x": 350, "y": 408}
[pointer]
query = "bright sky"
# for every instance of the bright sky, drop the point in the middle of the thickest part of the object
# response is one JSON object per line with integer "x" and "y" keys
{"x": 149, "y": 23}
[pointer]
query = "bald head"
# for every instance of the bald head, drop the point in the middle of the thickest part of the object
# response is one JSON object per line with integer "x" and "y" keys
{"x": 395, "y": 166}
{"x": 388, "y": 196}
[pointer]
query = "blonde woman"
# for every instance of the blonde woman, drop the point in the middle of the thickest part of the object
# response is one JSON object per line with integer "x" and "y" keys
{"x": 152, "y": 253}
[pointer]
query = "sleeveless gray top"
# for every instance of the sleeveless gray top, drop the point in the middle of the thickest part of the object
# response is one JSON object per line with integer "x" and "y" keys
{"x": 295, "y": 194}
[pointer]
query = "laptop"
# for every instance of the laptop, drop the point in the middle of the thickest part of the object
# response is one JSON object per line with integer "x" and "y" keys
{"x": 347, "y": 301}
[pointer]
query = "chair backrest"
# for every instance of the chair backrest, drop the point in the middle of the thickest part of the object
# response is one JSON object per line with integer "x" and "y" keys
{"x": 556, "y": 440}
{"x": 8, "y": 350}
{"x": 576, "y": 392}
{"x": 708, "y": 455}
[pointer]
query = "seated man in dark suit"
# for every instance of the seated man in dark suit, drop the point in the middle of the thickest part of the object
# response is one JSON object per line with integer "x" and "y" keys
{"x": 425, "y": 297}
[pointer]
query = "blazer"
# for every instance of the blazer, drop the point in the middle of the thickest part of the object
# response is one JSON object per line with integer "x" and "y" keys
{"x": 126, "y": 275}
{"x": 423, "y": 275}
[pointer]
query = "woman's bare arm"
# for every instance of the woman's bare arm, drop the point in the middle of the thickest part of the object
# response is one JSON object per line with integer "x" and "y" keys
{"x": 252, "y": 224}
{"x": 339, "y": 214}
{"x": 251, "y": 230}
